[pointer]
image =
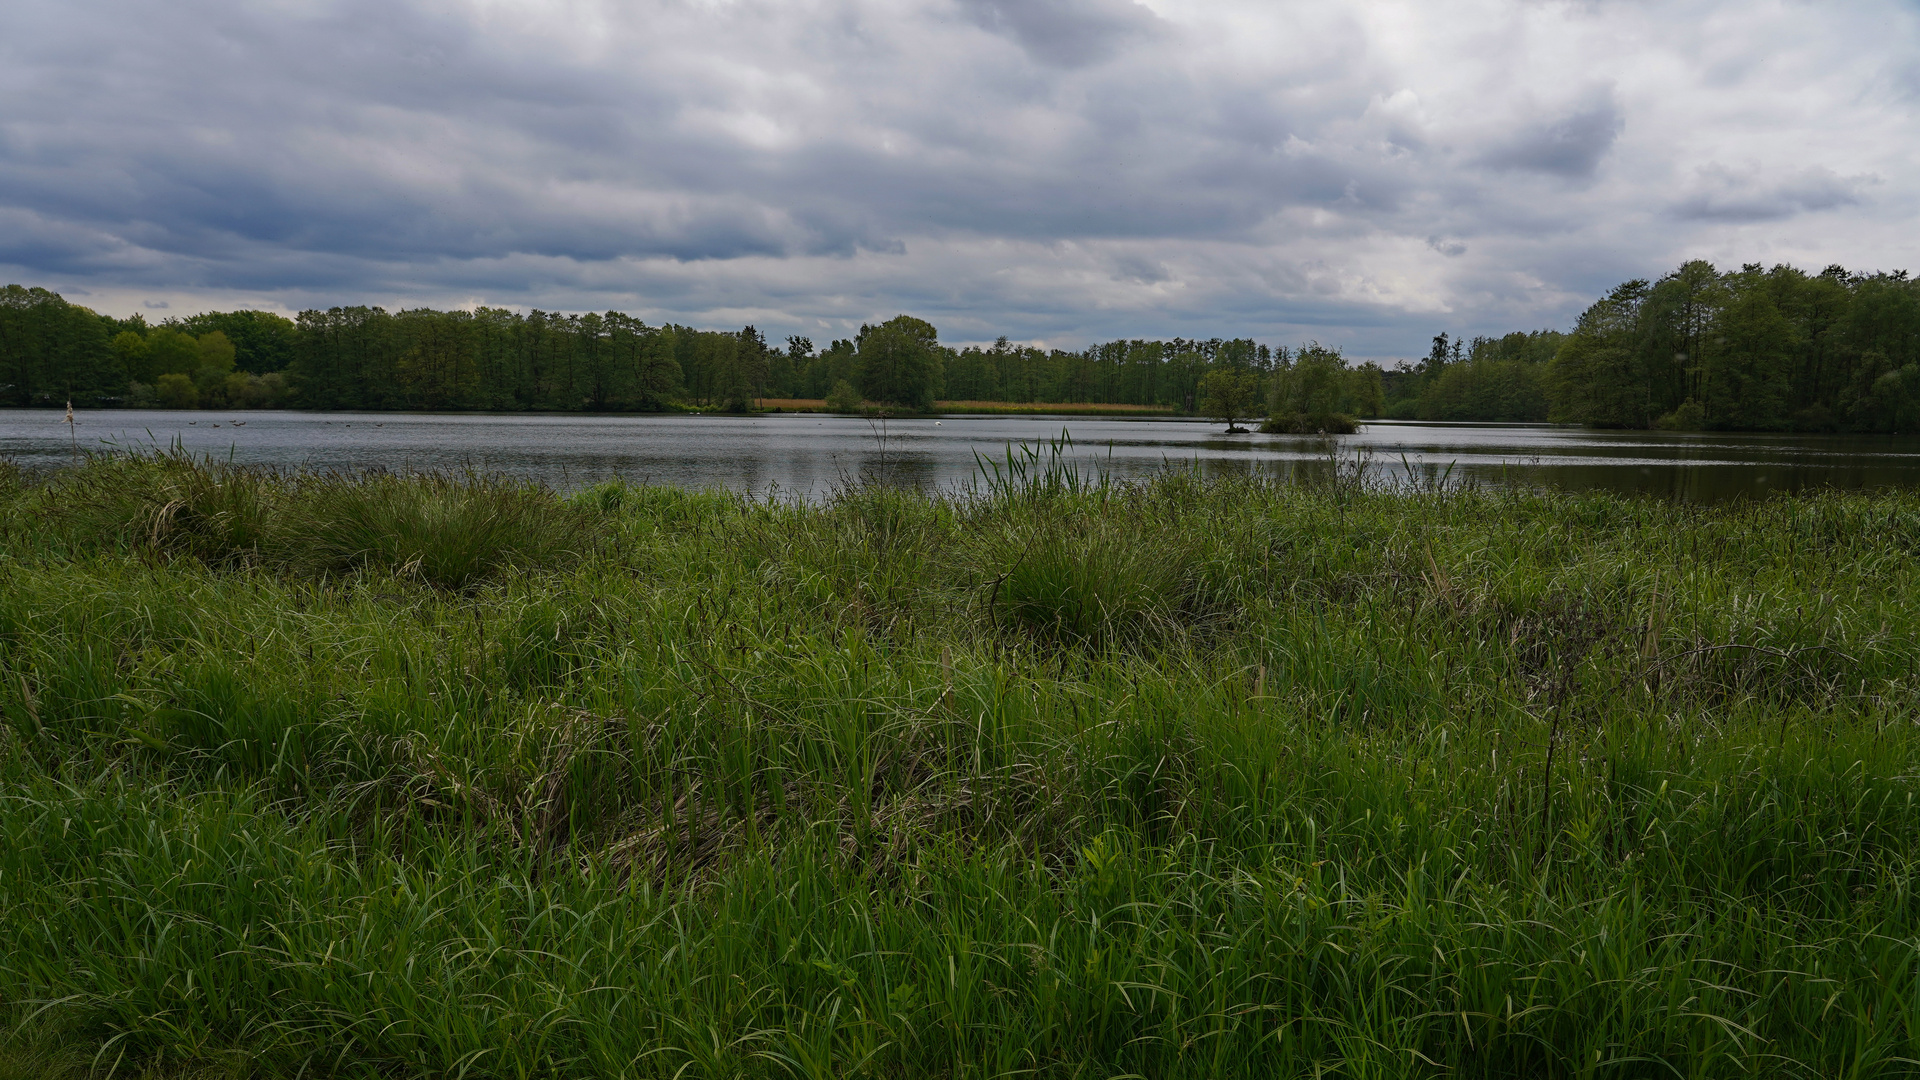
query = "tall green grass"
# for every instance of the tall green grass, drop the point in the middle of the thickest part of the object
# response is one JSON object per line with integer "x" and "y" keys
{"x": 447, "y": 529}
{"x": 1195, "y": 777}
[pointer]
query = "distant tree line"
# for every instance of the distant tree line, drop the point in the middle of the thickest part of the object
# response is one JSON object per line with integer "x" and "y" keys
{"x": 1747, "y": 350}
{"x": 489, "y": 358}
{"x": 1486, "y": 380}
{"x": 1752, "y": 349}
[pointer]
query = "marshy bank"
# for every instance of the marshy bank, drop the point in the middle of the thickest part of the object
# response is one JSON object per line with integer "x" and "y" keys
{"x": 392, "y": 775}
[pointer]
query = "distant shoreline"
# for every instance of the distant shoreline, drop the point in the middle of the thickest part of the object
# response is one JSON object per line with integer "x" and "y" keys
{"x": 767, "y": 406}
{"x": 986, "y": 408}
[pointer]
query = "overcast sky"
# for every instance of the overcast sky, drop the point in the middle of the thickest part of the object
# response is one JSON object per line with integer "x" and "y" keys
{"x": 1059, "y": 171}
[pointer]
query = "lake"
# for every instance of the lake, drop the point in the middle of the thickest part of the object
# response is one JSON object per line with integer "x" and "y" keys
{"x": 807, "y": 455}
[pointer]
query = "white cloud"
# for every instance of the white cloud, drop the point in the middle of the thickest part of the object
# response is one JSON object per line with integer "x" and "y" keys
{"x": 1062, "y": 170}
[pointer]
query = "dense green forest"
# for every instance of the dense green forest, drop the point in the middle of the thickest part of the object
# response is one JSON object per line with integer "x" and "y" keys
{"x": 1488, "y": 379}
{"x": 1751, "y": 349}
{"x": 1746, "y": 350}
{"x": 490, "y": 358}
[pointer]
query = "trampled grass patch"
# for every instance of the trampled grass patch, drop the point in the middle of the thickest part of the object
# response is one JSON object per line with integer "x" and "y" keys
{"x": 439, "y": 776}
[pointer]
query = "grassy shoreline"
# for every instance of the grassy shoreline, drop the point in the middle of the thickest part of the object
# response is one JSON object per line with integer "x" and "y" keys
{"x": 398, "y": 776}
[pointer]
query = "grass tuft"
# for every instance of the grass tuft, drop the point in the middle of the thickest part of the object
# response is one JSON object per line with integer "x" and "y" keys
{"x": 167, "y": 502}
{"x": 447, "y": 530}
{"x": 1098, "y": 587}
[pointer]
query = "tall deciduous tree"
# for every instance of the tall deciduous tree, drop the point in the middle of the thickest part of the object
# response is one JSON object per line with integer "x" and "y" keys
{"x": 899, "y": 362}
{"x": 52, "y": 351}
{"x": 1748, "y": 353}
{"x": 1230, "y": 396}
{"x": 1598, "y": 378}
{"x": 1317, "y": 382}
{"x": 262, "y": 341}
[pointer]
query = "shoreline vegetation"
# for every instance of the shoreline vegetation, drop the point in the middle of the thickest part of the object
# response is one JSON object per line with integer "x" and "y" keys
{"x": 1753, "y": 349}
{"x": 381, "y": 775}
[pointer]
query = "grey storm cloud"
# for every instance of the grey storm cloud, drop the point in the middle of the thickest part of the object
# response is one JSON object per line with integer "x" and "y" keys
{"x": 1723, "y": 194}
{"x": 1060, "y": 170}
{"x": 1066, "y": 32}
{"x": 1571, "y": 145}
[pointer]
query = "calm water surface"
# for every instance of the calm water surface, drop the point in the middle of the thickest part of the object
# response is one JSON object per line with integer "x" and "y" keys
{"x": 806, "y": 455}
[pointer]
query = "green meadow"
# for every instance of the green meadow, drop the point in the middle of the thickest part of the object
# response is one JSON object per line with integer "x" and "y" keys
{"x": 450, "y": 776}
